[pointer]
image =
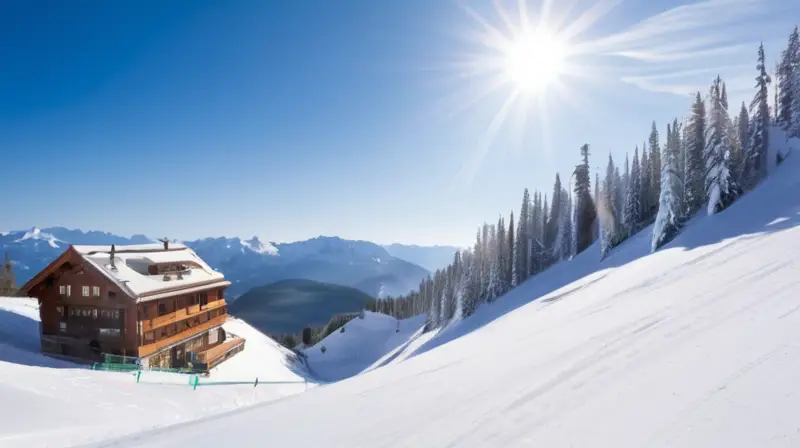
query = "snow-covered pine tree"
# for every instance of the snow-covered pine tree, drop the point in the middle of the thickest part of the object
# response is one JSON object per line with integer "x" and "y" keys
{"x": 694, "y": 177}
{"x": 606, "y": 210}
{"x": 565, "y": 229}
{"x": 645, "y": 186}
{"x": 794, "y": 123}
{"x": 786, "y": 75}
{"x": 552, "y": 252}
{"x": 756, "y": 160}
{"x": 493, "y": 266}
{"x": 655, "y": 166}
{"x": 538, "y": 224}
{"x": 668, "y": 219}
{"x": 510, "y": 280}
{"x": 721, "y": 189}
{"x": 618, "y": 188}
{"x": 678, "y": 150}
{"x": 632, "y": 197}
{"x": 537, "y": 249}
{"x": 521, "y": 249}
{"x": 724, "y": 97}
{"x": 742, "y": 126}
{"x": 586, "y": 214}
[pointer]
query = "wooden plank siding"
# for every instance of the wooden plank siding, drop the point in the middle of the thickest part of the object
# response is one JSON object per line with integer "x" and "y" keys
{"x": 149, "y": 349}
{"x": 179, "y": 315}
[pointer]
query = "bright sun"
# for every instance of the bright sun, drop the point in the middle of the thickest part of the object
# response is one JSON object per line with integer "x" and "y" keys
{"x": 534, "y": 61}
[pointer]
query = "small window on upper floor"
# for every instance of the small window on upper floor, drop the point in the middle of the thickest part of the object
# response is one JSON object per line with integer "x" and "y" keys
{"x": 112, "y": 295}
{"x": 62, "y": 289}
{"x": 69, "y": 290}
{"x": 85, "y": 291}
{"x": 96, "y": 291}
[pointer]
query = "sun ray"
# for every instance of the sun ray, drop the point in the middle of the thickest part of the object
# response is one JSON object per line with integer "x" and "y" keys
{"x": 470, "y": 167}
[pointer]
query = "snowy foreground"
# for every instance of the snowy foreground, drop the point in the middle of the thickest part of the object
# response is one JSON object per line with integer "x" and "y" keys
{"x": 697, "y": 345}
{"x": 47, "y": 402}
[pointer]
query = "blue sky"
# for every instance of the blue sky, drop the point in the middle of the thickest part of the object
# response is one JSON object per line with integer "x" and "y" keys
{"x": 356, "y": 118}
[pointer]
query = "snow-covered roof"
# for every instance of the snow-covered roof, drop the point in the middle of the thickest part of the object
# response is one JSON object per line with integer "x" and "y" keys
{"x": 130, "y": 269}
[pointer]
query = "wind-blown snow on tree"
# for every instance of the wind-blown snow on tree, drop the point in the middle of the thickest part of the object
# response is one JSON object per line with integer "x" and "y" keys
{"x": 721, "y": 190}
{"x": 668, "y": 222}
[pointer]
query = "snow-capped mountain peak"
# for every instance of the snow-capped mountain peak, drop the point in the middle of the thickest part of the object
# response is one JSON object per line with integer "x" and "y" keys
{"x": 36, "y": 233}
{"x": 258, "y": 246}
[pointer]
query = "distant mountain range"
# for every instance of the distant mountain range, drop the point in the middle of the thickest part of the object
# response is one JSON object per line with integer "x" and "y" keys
{"x": 250, "y": 263}
{"x": 429, "y": 257}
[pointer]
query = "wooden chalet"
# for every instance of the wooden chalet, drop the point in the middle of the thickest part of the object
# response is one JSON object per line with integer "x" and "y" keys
{"x": 160, "y": 303}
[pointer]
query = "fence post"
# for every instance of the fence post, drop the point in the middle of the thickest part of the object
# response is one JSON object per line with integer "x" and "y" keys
{"x": 138, "y": 375}
{"x": 256, "y": 383}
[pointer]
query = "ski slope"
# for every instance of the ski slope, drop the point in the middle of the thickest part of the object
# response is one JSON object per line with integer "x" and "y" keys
{"x": 366, "y": 343}
{"x": 697, "y": 345}
{"x": 48, "y": 402}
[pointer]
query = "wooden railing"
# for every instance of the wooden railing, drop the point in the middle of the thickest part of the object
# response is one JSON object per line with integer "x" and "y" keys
{"x": 181, "y": 314}
{"x": 215, "y": 352}
{"x": 149, "y": 349}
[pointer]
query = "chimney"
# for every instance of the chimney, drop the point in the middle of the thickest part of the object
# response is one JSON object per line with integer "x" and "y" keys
{"x": 165, "y": 241}
{"x": 111, "y": 256}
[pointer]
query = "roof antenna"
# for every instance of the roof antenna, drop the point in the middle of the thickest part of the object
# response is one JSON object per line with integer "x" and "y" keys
{"x": 166, "y": 243}
{"x": 111, "y": 257}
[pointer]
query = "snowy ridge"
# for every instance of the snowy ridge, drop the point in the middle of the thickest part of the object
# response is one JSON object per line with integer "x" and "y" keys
{"x": 696, "y": 343}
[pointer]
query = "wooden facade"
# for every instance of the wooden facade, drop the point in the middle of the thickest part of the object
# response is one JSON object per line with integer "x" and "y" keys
{"x": 85, "y": 314}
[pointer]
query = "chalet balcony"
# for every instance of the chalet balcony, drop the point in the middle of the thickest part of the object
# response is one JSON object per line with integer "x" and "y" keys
{"x": 181, "y": 314}
{"x": 149, "y": 349}
{"x": 211, "y": 357}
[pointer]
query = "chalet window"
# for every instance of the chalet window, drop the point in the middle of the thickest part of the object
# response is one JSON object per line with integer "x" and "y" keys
{"x": 96, "y": 291}
{"x": 116, "y": 314}
{"x": 85, "y": 291}
{"x": 148, "y": 337}
{"x": 162, "y": 309}
{"x": 203, "y": 298}
{"x": 112, "y": 295}
{"x": 60, "y": 310}
{"x": 63, "y": 327}
{"x": 69, "y": 290}
{"x": 94, "y": 313}
{"x": 62, "y": 290}
{"x": 108, "y": 331}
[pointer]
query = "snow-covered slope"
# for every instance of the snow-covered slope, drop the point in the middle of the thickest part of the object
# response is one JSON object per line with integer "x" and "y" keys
{"x": 364, "y": 344}
{"x": 47, "y": 402}
{"x": 693, "y": 346}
